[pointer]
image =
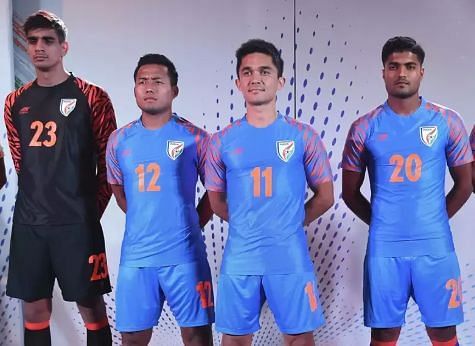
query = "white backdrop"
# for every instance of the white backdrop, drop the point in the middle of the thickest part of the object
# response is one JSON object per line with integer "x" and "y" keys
{"x": 337, "y": 78}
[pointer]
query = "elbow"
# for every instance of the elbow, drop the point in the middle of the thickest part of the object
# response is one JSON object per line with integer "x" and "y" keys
{"x": 328, "y": 201}
{"x": 347, "y": 197}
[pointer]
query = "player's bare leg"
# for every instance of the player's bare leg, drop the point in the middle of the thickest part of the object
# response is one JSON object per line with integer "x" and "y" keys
{"x": 236, "y": 340}
{"x": 36, "y": 316}
{"x": 384, "y": 335}
{"x": 197, "y": 336}
{"x": 446, "y": 336}
{"x": 304, "y": 339}
{"x": 140, "y": 338}
{"x": 93, "y": 313}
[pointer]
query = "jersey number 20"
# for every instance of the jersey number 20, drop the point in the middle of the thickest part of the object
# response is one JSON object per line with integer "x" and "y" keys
{"x": 412, "y": 168}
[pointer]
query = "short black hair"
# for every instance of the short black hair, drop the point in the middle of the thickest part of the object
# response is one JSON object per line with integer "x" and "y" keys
{"x": 46, "y": 20}
{"x": 260, "y": 46}
{"x": 402, "y": 44}
{"x": 158, "y": 59}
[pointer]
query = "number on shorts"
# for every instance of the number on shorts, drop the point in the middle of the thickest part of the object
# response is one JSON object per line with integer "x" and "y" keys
{"x": 455, "y": 286}
{"x": 205, "y": 290}
{"x": 99, "y": 271}
{"x": 312, "y": 299}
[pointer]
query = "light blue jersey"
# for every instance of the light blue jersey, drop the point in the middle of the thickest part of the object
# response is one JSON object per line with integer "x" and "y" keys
{"x": 158, "y": 170}
{"x": 406, "y": 157}
{"x": 264, "y": 172}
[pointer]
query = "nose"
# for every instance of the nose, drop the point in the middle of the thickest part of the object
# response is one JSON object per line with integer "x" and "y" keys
{"x": 39, "y": 46}
{"x": 402, "y": 71}
{"x": 255, "y": 77}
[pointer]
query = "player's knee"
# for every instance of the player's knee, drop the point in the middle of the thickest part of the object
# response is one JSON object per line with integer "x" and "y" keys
{"x": 236, "y": 340}
{"x": 304, "y": 339}
{"x": 37, "y": 311}
{"x": 443, "y": 336}
{"x": 196, "y": 335}
{"x": 384, "y": 336}
{"x": 140, "y": 338}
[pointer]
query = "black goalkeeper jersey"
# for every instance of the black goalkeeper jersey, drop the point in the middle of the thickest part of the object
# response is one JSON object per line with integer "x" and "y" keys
{"x": 57, "y": 138}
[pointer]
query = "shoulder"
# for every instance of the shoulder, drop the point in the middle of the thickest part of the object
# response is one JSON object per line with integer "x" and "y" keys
{"x": 229, "y": 130}
{"x": 122, "y": 132}
{"x": 91, "y": 90}
{"x": 364, "y": 122}
{"x": 13, "y": 96}
{"x": 298, "y": 126}
{"x": 189, "y": 127}
{"x": 447, "y": 114}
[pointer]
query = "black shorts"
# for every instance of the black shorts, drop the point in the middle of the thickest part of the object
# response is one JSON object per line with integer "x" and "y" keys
{"x": 73, "y": 254}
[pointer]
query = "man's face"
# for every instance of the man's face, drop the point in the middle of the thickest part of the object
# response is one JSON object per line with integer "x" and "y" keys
{"x": 258, "y": 80}
{"x": 402, "y": 74}
{"x": 153, "y": 91}
{"x": 44, "y": 49}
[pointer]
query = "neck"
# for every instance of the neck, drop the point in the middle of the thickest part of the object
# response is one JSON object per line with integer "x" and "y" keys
{"x": 155, "y": 121}
{"x": 404, "y": 106}
{"x": 261, "y": 116}
{"x": 51, "y": 77}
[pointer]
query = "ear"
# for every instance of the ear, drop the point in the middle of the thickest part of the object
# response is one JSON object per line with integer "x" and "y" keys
{"x": 64, "y": 48}
{"x": 422, "y": 72}
{"x": 238, "y": 83}
{"x": 281, "y": 83}
{"x": 176, "y": 90}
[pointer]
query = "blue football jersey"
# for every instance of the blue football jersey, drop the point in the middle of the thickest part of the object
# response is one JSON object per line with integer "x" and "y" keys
{"x": 264, "y": 172}
{"x": 159, "y": 170}
{"x": 406, "y": 157}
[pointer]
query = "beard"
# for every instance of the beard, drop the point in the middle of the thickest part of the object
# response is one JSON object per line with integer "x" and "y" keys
{"x": 402, "y": 93}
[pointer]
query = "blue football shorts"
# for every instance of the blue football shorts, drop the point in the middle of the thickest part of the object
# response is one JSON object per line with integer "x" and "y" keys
{"x": 292, "y": 298}
{"x": 142, "y": 291}
{"x": 432, "y": 281}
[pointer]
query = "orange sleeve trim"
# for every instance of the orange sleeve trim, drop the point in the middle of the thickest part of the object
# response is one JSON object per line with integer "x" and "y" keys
{"x": 97, "y": 325}
{"x": 36, "y": 325}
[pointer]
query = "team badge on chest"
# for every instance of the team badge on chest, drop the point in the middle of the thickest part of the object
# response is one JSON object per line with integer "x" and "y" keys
{"x": 285, "y": 150}
{"x": 175, "y": 149}
{"x": 67, "y": 106}
{"x": 428, "y": 134}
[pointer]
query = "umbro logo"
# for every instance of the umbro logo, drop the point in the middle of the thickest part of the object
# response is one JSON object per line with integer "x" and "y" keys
{"x": 24, "y": 110}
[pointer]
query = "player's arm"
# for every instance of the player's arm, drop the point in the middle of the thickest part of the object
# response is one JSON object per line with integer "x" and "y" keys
{"x": 114, "y": 172}
{"x": 459, "y": 159}
{"x": 204, "y": 210}
{"x": 12, "y": 133}
{"x": 472, "y": 145}
{"x": 354, "y": 169}
{"x": 103, "y": 124}
{"x": 3, "y": 176}
{"x": 352, "y": 196}
{"x": 473, "y": 175}
{"x": 119, "y": 194}
{"x": 462, "y": 189}
{"x": 320, "y": 202}
{"x": 318, "y": 174}
{"x": 219, "y": 204}
{"x": 215, "y": 178}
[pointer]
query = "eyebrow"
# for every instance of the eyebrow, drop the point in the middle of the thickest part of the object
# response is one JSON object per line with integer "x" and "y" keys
{"x": 264, "y": 67}
{"x": 405, "y": 64}
{"x": 153, "y": 77}
{"x": 34, "y": 37}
